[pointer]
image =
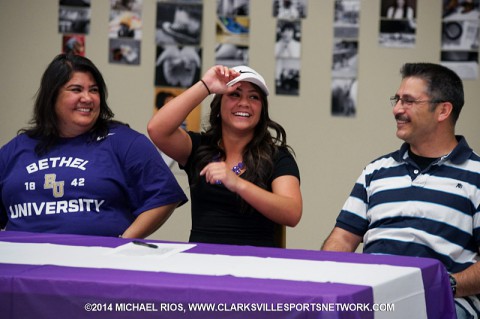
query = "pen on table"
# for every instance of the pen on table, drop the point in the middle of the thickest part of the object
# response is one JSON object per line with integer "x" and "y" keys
{"x": 141, "y": 243}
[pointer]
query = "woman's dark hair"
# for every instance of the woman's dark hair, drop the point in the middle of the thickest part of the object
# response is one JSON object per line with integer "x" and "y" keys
{"x": 258, "y": 154}
{"x": 44, "y": 124}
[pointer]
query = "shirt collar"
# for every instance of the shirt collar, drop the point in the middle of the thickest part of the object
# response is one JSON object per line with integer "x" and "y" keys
{"x": 458, "y": 155}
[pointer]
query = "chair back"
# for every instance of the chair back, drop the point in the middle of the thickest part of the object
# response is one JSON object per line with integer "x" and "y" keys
{"x": 280, "y": 236}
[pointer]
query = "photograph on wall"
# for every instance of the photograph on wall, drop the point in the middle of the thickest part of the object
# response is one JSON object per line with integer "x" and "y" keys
{"x": 126, "y": 5}
{"x": 125, "y": 31}
{"x": 398, "y": 26}
{"x": 288, "y": 40}
{"x": 124, "y": 51}
{"x": 345, "y": 58}
{"x": 178, "y": 55}
{"x": 460, "y": 37}
{"x": 230, "y": 8}
{"x": 287, "y": 54}
{"x": 344, "y": 97}
{"x": 460, "y": 10}
{"x": 179, "y": 22}
{"x": 233, "y": 29}
{"x": 346, "y": 19}
{"x": 287, "y": 77}
{"x": 177, "y": 66}
{"x": 344, "y": 66}
{"x": 288, "y": 46}
{"x": 74, "y": 16}
{"x": 231, "y": 55}
{"x": 126, "y": 24}
{"x": 164, "y": 94}
{"x": 232, "y": 32}
{"x": 290, "y": 9}
{"x": 74, "y": 44}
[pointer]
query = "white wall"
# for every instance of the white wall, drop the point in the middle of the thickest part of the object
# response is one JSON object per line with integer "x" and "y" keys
{"x": 331, "y": 152}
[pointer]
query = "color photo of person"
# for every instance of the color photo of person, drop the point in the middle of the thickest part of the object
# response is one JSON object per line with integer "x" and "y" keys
{"x": 74, "y": 44}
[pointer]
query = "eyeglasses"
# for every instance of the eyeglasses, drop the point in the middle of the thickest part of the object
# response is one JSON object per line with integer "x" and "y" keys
{"x": 409, "y": 102}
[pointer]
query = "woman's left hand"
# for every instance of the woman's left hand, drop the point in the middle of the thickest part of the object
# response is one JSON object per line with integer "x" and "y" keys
{"x": 220, "y": 173}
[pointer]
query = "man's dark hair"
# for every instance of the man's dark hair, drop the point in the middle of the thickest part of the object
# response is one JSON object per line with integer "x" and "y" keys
{"x": 443, "y": 84}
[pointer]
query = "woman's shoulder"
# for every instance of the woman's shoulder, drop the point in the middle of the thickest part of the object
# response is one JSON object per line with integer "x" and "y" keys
{"x": 122, "y": 139}
{"x": 21, "y": 140}
{"x": 123, "y": 131}
{"x": 285, "y": 163}
{"x": 284, "y": 151}
{"x": 200, "y": 139}
{"x": 20, "y": 144}
{"x": 127, "y": 142}
{"x": 120, "y": 127}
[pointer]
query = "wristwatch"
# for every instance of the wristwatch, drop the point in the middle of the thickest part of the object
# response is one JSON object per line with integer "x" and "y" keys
{"x": 453, "y": 284}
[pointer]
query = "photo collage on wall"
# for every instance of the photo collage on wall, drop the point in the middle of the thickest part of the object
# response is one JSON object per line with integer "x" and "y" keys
{"x": 178, "y": 52}
{"x": 232, "y": 32}
{"x": 74, "y": 24}
{"x": 125, "y": 31}
{"x": 398, "y": 25}
{"x": 346, "y": 27}
{"x": 289, "y": 15}
{"x": 460, "y": 37}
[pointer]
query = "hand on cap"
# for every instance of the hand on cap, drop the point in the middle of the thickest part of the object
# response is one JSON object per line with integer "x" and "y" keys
{"x": 217, "y": 77}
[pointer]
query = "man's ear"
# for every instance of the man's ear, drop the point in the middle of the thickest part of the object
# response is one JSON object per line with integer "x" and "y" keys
{"x": 444, "y": 110}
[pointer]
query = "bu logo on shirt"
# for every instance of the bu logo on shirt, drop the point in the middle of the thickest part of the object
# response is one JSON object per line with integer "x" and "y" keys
{"x": 57, "y": 187}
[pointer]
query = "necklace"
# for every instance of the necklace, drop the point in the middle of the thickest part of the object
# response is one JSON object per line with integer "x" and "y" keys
{"x": 237, "y": 169}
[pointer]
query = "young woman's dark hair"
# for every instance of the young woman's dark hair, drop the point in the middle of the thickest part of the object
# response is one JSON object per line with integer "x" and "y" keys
{"x": 259, "y": 152}
{"x": 44, "y": 123}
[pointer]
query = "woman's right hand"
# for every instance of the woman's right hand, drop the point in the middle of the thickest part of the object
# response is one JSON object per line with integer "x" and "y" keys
{"x": 217, "y": 77}
{"x": 219, "y": 173}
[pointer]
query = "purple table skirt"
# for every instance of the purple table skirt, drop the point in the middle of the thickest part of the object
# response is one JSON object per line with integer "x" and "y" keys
{"x": 35, "y": 291}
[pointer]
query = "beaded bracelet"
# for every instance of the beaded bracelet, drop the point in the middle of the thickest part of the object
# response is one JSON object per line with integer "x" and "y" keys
{"x": 206, "y": 86}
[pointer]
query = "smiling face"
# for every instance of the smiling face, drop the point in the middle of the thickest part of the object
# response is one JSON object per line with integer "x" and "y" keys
{"x": 416, "y": 121}
{"x": 241, "y": 109}
{"x": 78, "y": 105}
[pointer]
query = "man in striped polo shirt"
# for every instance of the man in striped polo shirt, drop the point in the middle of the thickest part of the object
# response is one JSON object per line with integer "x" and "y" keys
{"x": 423, "y": 199}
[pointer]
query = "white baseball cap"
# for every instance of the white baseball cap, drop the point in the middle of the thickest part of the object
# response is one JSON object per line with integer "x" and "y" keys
{"x": 250, "y": 75}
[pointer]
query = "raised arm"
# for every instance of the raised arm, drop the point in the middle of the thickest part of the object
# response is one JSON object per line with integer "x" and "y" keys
{"x": 164, "y": 127}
